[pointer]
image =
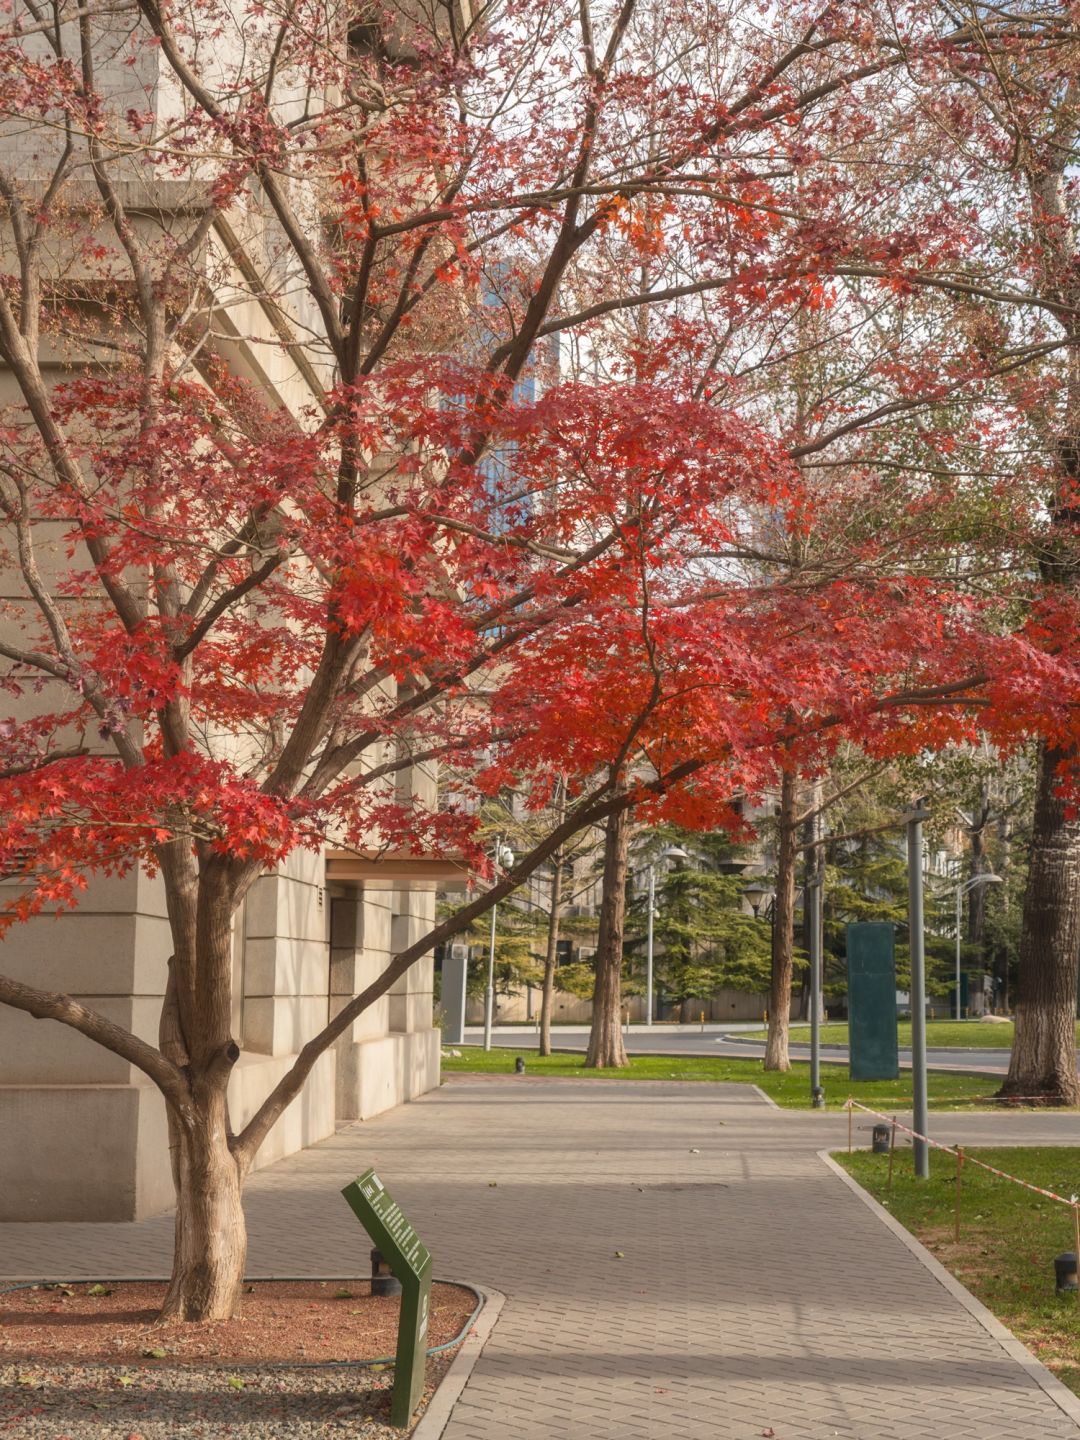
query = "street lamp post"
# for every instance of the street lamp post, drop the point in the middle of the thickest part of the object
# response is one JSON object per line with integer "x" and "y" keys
{"x": 649, "y": 949}
{"x": 672, "y": 852}
{"x": 504, "y": 856}
{"x": 758, "y": 897}
{"x": 961, "y": 891}
{"x": 813, "y": 902}
{"x": 920, "y": 1105}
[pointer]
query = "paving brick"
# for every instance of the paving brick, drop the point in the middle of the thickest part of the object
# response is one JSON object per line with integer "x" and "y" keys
{"x": 755, "y": 1290}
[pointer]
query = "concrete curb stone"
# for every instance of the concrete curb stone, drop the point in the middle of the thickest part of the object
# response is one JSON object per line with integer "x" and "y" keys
{"x": 437, "y": 1415}
{"x": 1061, "y": 1395}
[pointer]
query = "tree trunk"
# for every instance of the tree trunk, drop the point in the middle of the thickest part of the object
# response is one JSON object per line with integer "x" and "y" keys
{"x": 783, "y": 928}
{"x": 210, "y": 1232}
{"x": 210, "y": 1248}
{"x": 606, "y": 1048}
{"x": 551, "y": 955}
{"x": 1043, "y": 1060}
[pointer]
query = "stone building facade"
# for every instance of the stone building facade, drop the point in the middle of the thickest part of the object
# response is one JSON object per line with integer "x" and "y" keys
{"x": 82, "y": 1132}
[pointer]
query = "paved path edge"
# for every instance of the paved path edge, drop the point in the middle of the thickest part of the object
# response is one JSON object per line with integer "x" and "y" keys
{"x": 441, "y": 1405}
{"x": 1061, "y": 1395}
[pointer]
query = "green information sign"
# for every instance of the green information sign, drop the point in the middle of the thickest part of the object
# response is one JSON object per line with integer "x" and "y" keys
{"x": 871, "y": 964}
{"x": 409, "y": 1259}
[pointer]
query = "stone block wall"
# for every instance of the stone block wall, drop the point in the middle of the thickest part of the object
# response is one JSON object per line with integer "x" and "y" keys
{"x": 89, "y": 1130}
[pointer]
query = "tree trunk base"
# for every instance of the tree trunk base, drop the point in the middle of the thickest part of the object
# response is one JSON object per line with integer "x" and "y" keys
{"x": 210, "y": 1253}
{"x": 1050, "y": 1091}
{"x": 776, "y": 1047}
{"x": 607, "y": 1051}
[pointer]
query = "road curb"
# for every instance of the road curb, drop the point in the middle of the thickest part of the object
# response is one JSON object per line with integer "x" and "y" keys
{"x": 437, "y": 1415}
{"x": 1061, "y": 1395}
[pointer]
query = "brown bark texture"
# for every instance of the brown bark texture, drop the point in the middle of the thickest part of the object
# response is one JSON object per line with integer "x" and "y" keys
{"x": 210, "y": 1231}
{"x": 783, "y": 927}
{"x": 1043, "y": 1060}
{"x": 194, "y": 1032}
{"x": 606, "y": 1048}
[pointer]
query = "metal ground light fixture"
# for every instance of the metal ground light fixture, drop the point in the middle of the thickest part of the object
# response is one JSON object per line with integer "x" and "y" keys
{"x": 1065, "y": 1281}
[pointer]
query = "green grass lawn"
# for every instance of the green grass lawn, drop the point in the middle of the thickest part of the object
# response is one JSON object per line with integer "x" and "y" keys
{"x": 940, "y": 1034}
{"x": 951, "y": 1092}
{"x": 1008, "y": 1236}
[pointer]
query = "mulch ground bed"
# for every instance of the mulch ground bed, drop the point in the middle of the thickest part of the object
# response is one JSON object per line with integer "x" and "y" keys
{"x": 79, "y": 1362}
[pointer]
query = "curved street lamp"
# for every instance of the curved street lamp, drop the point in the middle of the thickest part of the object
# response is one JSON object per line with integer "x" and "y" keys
{"x": 502, "y": 856}
{"x": 671, "y": 852}
{"x": 755, "y": 894}
{"x": 961, "y": 891}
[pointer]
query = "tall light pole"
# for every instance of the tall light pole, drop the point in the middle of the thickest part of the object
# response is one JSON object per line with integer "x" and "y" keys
{"x": 914, "y": 821}
{"x": 961, "y": 891}
{"x": 504, "y": 856}
{"x": 649, "y": 948}
{"x": 672, "y": 852}
{"x": 813, "y": 905}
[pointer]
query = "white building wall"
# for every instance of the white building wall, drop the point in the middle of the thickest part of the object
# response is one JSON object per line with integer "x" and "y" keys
{"x": 89, "y": 1129}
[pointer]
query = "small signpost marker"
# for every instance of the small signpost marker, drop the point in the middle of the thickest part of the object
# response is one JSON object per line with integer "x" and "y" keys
{"x": 409, "y": 1259}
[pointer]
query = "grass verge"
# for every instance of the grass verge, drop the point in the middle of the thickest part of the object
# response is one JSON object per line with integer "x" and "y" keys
{"x": 1008, "y": 1236}
{"x": 940, "y": 1035}
{"x": 792, "y": 1089}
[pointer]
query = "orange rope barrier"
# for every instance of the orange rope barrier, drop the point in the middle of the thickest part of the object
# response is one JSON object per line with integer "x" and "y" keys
{"x": 850, "y": 1105}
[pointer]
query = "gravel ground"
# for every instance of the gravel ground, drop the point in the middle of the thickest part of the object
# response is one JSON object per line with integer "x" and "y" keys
{"x": 281, "y": 1322}
{"x": 108, "y": 1402}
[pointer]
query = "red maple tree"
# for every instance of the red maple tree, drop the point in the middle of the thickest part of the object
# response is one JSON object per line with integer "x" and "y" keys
{"x": 238, "y": 618}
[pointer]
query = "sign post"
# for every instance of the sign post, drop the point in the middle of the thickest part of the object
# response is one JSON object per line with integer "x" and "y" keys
{"x": 410, "y": 1260}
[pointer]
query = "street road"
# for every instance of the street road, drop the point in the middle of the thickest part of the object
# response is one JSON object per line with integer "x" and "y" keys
{"x": 720, "y": 1040}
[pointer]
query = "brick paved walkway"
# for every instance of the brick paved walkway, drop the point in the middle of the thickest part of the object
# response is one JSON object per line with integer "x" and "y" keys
{"x": 756, "y": 1293}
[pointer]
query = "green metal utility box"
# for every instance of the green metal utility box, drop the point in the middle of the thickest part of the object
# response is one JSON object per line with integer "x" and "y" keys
{"x": 872, "y": 1030}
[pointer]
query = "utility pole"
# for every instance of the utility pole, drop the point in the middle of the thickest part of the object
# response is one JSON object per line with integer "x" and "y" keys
{"x": 649, "y": 949}
{"x": 813, "y": 904}
{"x": 916, "y": 946}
